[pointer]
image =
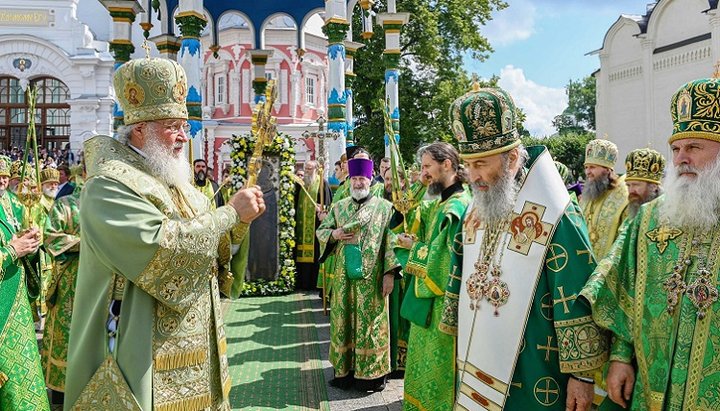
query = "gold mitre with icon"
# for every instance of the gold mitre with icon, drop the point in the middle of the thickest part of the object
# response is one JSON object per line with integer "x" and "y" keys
{"x": 484, "y": 122}
{"x": 601, "y": 152}
{"x": 644, "y": 164}
{"x": 694, "y": 109}
{"x": 49, "y": 175}
{"x": 151, "y": 89}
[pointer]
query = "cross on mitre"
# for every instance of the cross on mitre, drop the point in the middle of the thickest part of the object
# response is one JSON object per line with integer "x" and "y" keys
{"x": 527, "y": 228}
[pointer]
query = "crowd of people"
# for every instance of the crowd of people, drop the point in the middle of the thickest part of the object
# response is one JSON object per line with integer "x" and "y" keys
{"x": 508, "y": 285}
{"x": 486, "y": 279}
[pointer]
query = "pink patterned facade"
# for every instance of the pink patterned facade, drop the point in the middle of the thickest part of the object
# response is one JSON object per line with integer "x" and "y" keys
{"x": 228, "y": 96}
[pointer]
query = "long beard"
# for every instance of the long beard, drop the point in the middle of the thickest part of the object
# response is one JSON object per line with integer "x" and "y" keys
{"x": 309, "y": 179}
{"x": 200, "y": 178}
{"x": 595, "y": 188}
{"x": 494, "y": 205}
{"x": 165, "y": 166}
{"x": 692, "y": 202}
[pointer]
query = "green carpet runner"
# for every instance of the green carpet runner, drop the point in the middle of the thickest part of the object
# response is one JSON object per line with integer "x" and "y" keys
{"x": 273, "y": 354}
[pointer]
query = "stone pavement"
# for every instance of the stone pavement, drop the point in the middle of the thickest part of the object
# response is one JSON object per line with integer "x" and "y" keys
{"x": 340, "y": 400}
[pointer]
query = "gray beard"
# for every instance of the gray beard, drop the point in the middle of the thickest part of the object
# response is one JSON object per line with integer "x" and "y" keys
{"x": 309, "y": 180}
{"x": 359, "y": 194}
{"x": 434, "y": 189}
{"x": 494, "y": 205}
{"x": 595, "y": 188}
{"x": 163, "y": 165}
{"x": 692, "y": 203}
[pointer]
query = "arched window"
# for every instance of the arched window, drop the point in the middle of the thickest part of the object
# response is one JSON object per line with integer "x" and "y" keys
{"x": 52, "y": 113}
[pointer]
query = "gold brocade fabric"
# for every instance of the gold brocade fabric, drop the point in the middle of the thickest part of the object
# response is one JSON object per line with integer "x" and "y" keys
{"x": 189, "y": 368}
{"x": 604, "y": 217}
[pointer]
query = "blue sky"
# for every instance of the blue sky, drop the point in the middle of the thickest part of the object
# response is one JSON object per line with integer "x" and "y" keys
{"x": 541, "y": 44}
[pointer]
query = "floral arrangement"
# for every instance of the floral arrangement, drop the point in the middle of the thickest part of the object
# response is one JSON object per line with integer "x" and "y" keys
{"x": 282, "y": 146}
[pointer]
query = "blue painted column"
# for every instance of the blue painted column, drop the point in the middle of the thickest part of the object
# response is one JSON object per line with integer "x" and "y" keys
{"x": 336, "y": 28}
{"x": 191, "y": 24}
{"x": 350, "y": 48}
{"x": 392, "y": 23}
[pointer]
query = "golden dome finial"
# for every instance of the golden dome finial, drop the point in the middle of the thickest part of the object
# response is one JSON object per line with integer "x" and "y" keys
{"x": 716, "y": 73}
{"x": 475, "y": 82}
{"x": 146, "y": 46}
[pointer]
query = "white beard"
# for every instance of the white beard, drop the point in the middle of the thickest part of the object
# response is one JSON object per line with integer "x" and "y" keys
{"x": 495, "y": 204}
{"x": 359, "y": 194}
{"x": 692, "y": 202}
{"x": 163, "y": 165}
{"x": 50, "y": 192}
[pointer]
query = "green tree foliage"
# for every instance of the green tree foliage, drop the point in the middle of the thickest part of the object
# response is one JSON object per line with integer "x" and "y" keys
{"x": 431, "y": 75}
{"x": 568, "y": 148}
{"x": 579, "y": 116}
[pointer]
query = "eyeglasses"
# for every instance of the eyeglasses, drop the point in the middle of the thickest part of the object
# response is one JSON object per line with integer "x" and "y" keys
{"x": 176, "y": 126}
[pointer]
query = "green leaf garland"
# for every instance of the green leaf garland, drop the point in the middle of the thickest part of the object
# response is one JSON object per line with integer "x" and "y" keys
{"x": 282, "y": 146}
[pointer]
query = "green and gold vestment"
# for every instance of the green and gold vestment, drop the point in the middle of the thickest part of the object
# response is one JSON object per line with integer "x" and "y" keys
{"x": 430, "y": 367}
{"x": 21, "y": 381}
{"x": 153, "y": 248}
{"x": 676, "y": 352}
{"x": 62, "y": 241}
{"x": 359, "y": 325}
{"x": 604, "y": 216}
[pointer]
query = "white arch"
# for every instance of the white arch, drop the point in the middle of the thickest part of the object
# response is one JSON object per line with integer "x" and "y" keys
{"x": 308, "y": 16}
{"x": 622, "y": 22}
{"x": 47, "y": 60}
{"x": 249, "y": 22}
{"x": 267, "y": 21}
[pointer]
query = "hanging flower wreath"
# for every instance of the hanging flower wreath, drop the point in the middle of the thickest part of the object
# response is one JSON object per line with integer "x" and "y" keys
{"x": 282, "y": 146}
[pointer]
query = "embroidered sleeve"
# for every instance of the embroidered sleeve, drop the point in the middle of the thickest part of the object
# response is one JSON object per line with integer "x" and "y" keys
{"x": 449, "y": 318}
{"x": 170, "y": 259}
{"x": 622, "y": 351}
{"x": 324, "y": 231}
{"x": 582, "y": 346}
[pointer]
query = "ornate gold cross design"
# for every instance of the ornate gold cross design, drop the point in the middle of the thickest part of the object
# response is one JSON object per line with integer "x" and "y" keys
{"x": 661, "y": 235}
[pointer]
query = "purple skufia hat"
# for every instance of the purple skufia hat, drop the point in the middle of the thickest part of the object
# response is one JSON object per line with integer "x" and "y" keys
{"x": 360, "y": 167}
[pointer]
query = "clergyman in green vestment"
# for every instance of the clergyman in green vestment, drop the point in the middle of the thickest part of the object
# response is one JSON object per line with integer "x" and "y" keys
{"x": 308, "y": 202}
{"x": 147, "y": 331}
{"x": 657, "y": 291}
{"x": 62, "y": 242}
{"x": 524, "y": 340}
{"x": 21, "y": 382}
{"x": 430, "y": 367}
{"x": 357, "y": 232}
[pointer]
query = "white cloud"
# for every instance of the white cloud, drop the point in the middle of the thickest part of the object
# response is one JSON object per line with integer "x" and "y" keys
{"x": 514, "y": 23}
{"x": 540, "y": 103}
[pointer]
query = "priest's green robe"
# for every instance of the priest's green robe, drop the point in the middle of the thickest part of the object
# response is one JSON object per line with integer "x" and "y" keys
{"x": 62, "y": 241}
{"x": 359, "y": 323}
{"x": 21, "y": 381}
{"x": 430, "y": 368}
{"x": 670, "y": 329}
